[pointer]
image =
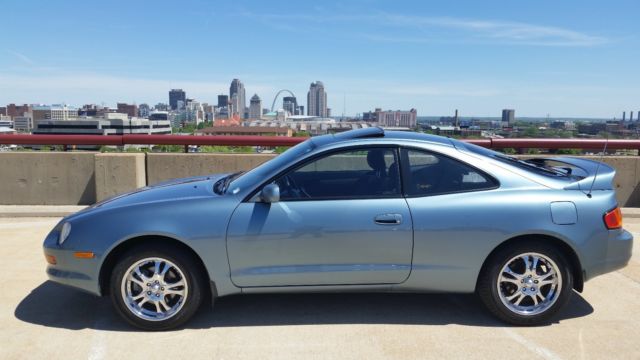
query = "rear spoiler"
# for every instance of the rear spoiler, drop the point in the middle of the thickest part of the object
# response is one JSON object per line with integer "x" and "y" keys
{"x": 583, "y": 171}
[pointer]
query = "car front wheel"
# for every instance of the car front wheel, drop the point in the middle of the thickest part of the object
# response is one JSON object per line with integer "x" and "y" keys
{"x": 156, "y": 289}
{"x": 526, "y": 283}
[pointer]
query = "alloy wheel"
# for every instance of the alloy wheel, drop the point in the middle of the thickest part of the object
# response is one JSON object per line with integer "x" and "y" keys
{"x": 154, "y": 289}
{"x": 529, "y": 283}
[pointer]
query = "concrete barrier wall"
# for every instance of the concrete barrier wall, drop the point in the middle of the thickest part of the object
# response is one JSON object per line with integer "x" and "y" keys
{"x": 118, "y": 173}
{"x": 42, "y": 178}
{"x": 626, "y": 180}
{"x": 47, "y": 178}
{"x": 168, "y": 166}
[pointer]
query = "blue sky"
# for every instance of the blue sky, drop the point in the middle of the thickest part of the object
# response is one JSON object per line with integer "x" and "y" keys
{"x": 563, "y": 58}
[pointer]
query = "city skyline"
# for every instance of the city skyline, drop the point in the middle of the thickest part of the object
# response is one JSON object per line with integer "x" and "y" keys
{"x": 543, "y": 58}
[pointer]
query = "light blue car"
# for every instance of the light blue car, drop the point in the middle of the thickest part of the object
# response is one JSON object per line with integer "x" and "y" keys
{"x": 365, "y": 210}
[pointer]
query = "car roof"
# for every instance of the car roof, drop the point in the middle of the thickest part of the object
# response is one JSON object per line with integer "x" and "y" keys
{"x": 410, "y": 135}
{"x": 378, "y": 132}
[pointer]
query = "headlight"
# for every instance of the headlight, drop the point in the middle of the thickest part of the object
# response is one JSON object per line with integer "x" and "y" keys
{"x": 64, "y": 233}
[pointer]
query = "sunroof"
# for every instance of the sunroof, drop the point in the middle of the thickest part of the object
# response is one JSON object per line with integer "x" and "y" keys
{"x": 361, "y": 133}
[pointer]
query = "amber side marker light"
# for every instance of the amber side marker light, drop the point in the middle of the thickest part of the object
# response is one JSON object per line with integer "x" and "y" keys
{"x": 613, "y": 219}
{"x": 84, "y": 254}
{"x": 50, "y": 259}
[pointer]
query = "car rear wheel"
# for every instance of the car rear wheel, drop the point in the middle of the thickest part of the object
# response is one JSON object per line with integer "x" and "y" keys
{"x": 526, "y": 283}
{"x": 156, "y": 289}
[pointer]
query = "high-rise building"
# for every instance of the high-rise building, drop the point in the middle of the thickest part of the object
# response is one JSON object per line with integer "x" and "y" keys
{"x": 317, "y": 100}
{"x": 390, "y": 118}
{"x": 130, "y": 110}
{"x": 255, "y": 107}
{"x": 23, "y": 123}
{"x": 144, "y": 110}
{"x": 14, "y": 110}
{"x": 194, "y": 112}
{"x": 223, "y": 101}
{"x": 209, "y": 112}
{"x": 94, "y": 110}
{"x": 176, "y": 95}
{"x": 52, "y": 112}
{"x": 161, "y": 107}
{"x": 233, "y": 104}
{"x": 290, "y": 104}
{"x": 238, "y": 102}
{"x": 508, "y": 116}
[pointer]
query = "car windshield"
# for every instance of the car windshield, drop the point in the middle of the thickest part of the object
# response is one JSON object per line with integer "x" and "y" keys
{"x": 536, "y": 167}
{"x": 259, "y": 173}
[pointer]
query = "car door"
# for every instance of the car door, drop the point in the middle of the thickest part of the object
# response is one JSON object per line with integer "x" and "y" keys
{"x": 341, "y": 219}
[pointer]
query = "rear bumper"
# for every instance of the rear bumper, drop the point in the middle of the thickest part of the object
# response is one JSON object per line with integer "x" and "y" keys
{"x": 619, "y": 250}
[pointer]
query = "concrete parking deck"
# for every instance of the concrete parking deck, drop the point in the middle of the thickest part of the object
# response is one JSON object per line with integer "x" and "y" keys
{"x": 39, "y": 319}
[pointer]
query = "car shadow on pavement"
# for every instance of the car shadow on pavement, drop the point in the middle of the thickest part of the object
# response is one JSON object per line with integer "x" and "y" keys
{"x": 57, "y": 306}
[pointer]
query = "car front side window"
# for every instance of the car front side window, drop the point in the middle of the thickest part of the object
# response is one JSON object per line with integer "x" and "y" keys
{"x": 371, "y": 172}
{"x": 434, "y": 174}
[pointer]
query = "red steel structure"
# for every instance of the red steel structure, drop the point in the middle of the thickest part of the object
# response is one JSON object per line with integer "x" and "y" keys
{"x": 185, "y": 140}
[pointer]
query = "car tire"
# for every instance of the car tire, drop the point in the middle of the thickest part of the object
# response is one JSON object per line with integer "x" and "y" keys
{"x": 519, "y": 294}
{"x": 157, "y": 288}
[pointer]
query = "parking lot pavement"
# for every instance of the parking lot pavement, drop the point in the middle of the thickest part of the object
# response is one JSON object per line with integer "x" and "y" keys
{"x": 39, "y": 319}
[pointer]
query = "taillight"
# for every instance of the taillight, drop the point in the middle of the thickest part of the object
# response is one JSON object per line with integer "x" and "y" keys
{"x": 613, "y": 219}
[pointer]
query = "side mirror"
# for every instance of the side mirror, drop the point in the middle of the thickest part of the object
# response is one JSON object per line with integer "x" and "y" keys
{"x": 270, "y": 193}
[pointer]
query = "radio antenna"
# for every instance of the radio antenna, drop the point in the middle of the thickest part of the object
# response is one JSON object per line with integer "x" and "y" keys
{"x": 598, "y": 166}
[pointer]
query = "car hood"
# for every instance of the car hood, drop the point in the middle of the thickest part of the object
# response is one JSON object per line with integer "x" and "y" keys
{"x": 171, "y": 190}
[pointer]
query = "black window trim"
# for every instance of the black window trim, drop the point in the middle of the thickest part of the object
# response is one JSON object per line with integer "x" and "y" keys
{"x": 406, "y": 173}
{"x": 300, "y": 164}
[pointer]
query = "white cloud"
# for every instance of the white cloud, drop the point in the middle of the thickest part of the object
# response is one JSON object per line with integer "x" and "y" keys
{"x": 515, "y": 32}
{"x": 456, "y": 29}
{"x": 25, "y": 59}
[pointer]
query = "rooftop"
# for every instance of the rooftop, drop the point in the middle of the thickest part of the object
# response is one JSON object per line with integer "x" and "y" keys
{"x": 243, "y": 130}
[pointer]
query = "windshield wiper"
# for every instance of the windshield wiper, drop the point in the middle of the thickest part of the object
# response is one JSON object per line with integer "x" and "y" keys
{"x": 222, "y": 184}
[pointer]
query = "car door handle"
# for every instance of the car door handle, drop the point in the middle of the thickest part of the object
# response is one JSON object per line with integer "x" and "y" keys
{"x": 388, "y": 219}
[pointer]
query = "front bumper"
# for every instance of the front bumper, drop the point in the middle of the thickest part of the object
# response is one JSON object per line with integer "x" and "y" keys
{"x": 82, "y": 274}
{"x": 619, "y": 250}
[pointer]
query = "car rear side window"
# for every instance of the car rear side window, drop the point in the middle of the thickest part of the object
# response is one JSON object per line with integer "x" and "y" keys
{"x": 434, "y": 174}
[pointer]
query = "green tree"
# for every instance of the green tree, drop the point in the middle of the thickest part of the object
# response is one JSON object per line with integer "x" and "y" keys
{"x": 169, "y": 148}
{"x": 108, "y": 149}
{"x": 569, "y": 151}
{"x": 227, "y": 149}
{"x": 531, "y": 132}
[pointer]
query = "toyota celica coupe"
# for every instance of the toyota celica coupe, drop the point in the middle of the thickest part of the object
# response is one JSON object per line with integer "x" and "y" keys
{"x": 366, "y": 210}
